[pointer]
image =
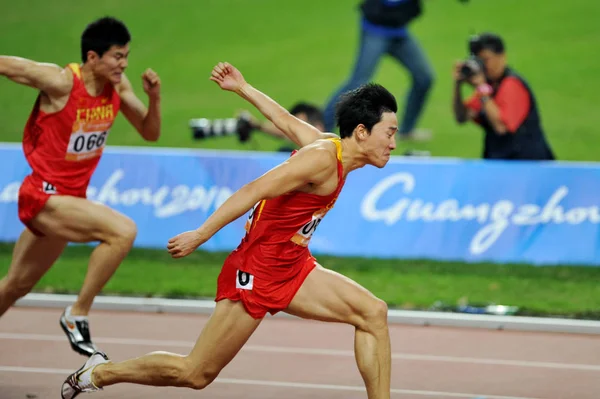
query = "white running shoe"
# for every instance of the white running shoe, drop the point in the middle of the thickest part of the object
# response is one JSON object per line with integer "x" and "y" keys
{"x": 81, "y": 380}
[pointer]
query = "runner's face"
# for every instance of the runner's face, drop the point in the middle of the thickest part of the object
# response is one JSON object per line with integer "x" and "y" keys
{"x": 382, "y": 140}
{"x": 113, "y": 63}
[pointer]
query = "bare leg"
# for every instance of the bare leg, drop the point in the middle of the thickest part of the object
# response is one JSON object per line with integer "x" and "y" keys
{"x": 79, "y": 220}
{"x": 329, "y": 296}
{"x": 32, "y": 257}
{"x": 226, "y": 332}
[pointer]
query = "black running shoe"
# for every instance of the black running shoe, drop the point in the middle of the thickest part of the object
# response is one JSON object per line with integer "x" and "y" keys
{"x": 78, "y": 332}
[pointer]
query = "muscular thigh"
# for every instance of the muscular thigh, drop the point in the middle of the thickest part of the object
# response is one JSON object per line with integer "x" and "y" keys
{"x": 79, "y": 220}
{"x": 329, "y": 296}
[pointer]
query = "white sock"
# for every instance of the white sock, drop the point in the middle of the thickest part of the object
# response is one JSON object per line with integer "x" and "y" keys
{"x": 86, "y": 380}
{"x": 69, "y": 316}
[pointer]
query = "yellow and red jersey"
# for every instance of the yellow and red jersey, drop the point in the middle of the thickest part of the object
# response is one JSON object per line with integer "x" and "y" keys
{"x": 63, "y": 148}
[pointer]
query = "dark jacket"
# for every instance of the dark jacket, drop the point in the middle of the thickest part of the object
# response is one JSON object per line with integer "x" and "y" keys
{"x": 391, "y": 13}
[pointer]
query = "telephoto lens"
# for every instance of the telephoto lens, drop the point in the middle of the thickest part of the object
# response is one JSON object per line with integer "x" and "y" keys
{"x": 203, "y": 127}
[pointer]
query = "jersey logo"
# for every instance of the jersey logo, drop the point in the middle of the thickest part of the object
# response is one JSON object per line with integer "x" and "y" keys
{"x": 255, "y": 208}
{"x": 90, "y": 131}
{"x": 244, "y": 281}
{"x": 48, "y": 188}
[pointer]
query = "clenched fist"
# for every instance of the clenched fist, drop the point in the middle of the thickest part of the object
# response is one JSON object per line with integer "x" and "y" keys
{"x": 151, "y": 83}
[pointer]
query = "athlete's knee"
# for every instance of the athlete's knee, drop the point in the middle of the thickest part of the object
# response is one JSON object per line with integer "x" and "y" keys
{"x": 124, "y": 231}
{"x": 374, "y": 316}
{"x": 127, "y": 229}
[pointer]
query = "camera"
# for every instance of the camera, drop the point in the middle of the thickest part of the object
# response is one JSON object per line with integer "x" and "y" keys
{"x": 471, "y": 67}
{"x": 477, "y": 44}
{"x": 203, "y": 128}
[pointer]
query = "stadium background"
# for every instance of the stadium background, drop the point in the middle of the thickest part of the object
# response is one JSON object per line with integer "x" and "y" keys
{"x": 303, "y": 50}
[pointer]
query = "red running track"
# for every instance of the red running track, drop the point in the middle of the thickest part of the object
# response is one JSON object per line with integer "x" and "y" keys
{"x": 291, "y": 359}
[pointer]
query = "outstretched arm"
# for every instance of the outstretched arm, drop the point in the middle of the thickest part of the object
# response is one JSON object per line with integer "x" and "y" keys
{"x": 49, "y": 78}
{"x": 313, "y": 164}
{"x": 298, "y": 131}
{"x": 269, "y": 128}
{"x": 145, "y": 120}
{"x": 266, "y": 127}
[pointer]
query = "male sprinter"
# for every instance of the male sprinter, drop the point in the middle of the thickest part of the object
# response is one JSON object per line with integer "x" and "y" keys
{"x": 272, "y": 269}
{"x": 63, "y": 142}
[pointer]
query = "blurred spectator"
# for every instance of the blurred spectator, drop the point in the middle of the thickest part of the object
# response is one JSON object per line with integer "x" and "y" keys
{"x": 302, "y": 110}
{"x": 244, "y": 124}
{"x": 307, "y": 112}
{"x": 384, "y": 31}
{"x": 503, "y": 103}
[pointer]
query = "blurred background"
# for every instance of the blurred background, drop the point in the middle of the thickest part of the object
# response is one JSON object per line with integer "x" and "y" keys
{"x": 304, "y": 51}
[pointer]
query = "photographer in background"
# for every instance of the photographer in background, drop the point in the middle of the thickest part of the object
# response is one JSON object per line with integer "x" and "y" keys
{"x": 503, "y": 104}
{"x": 304, "y": 111}
{"x": 244, "y": 124}
{"x": 309, "y": 113}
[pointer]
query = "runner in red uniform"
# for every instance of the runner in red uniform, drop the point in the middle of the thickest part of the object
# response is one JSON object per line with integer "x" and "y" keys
{"x": 272, "y": 261}
{"x": 63, "y": 141}
{"x": 272, "y": 269}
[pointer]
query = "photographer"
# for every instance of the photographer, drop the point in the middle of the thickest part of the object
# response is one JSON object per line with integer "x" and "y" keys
{"x": 503, "y": 104}
{"x": 244, "y": 124}
{"x": 304, "y": 111}
{"x": 309, "y": 113}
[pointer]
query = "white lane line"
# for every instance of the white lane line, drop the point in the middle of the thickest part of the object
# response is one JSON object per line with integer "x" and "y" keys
{"x": 284, "y": 384}
{"x": 314, "y": 351}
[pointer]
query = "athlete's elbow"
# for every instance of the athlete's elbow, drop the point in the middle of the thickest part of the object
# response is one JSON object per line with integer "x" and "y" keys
{"x": 151, "y": 135}
{"x": 152, "y": 139}
{"x": 9, "y": 66}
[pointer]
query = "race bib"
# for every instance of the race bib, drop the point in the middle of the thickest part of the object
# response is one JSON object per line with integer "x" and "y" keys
{"x": 85, "y": 145}
{"x": 304, "y": 234}
{"x": 244, "y": 281}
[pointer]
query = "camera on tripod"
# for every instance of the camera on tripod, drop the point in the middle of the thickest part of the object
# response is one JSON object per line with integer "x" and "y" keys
{"x": 203, "y": 128}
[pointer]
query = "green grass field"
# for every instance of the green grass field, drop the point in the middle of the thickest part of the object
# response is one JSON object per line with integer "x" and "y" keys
{"x": 305, "y": 50}
{"x": 547, "y": 291}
